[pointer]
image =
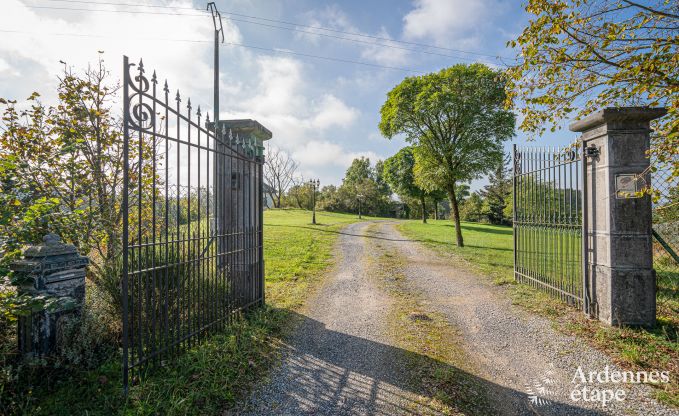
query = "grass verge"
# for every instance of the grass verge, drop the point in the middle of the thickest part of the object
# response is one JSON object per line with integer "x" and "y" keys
{"x": 212, "y": 376}
{"x": 436, "y": 362}
{"x": 488, "y": 250}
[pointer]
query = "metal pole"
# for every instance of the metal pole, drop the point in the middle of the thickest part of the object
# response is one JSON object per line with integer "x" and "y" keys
{"x": 514, "y": 206}
{"x": 313, "y": 219}
{"x": 216, "y": 77}
{"x": 585, "y": 240}
{"x": 219, "y": 165}
{"x": 216, "y": 19}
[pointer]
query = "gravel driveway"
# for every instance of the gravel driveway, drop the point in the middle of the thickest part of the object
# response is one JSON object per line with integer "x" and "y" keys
{"x": 341, "y": 359}
{"x": 512, "y": 347}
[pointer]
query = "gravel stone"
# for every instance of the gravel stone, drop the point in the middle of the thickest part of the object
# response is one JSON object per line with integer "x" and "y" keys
{"x": 512, "y": 347}
{"x": 340, "y": 360}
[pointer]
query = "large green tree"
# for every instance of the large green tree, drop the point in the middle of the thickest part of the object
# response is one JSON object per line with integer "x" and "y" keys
{"x": 498, "y": 193}
{"x": 361, "y": 181}
{"x": 457, "y": 119}
{"x": 577, "y": 56}
{"x": 399, "y": 174}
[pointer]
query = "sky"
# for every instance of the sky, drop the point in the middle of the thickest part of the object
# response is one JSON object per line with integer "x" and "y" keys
{"x": 323, "y": 112}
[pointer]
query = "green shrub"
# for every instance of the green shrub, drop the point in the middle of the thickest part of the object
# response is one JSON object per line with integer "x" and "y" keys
{"x": 84, "y": 340}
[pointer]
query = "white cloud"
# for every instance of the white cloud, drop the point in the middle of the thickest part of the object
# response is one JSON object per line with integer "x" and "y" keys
{"x": 333, "y": 112}
{"x": 447, "y": 22}
{"x": 396, "y": 54}
{"x": 273, "y": 89}
{"x": 324, "y": 153}
{"x": 333, "y": 17}
{"x": 44, "y": 37}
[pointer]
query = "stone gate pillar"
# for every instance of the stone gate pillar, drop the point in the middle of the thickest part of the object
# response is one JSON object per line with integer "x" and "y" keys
{"x": 56, "y": 270}
{"x": 619, "y": 260}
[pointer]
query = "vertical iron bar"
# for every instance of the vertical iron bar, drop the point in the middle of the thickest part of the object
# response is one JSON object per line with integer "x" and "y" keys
{"x": 125, "y": 202}
{"x": 585, "y": 231}
{"x": 514, "y": 198}
{"x": 137, "y": 293}
{"x": 177, "y": 257}
{"x": 153, "y": 218}
{"x": 166, "y": 266}
{"x": 189, "y": 255}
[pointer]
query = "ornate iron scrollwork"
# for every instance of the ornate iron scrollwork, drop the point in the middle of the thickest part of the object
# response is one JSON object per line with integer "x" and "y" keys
{"x": 517, "y": 163}
{"x": 141, "y": 113}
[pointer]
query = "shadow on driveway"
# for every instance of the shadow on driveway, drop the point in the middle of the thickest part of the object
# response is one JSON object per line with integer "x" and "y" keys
{"x": 326, "y": 372}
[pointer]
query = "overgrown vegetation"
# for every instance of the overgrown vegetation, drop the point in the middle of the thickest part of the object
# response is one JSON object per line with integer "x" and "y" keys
{"x": 489, "y": 251}
{"x": 207, "y": 378}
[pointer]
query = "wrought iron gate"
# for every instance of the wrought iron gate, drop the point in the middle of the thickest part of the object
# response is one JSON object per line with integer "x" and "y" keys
{"x": 548, "y": 221}
{"x": 192, "y": 223}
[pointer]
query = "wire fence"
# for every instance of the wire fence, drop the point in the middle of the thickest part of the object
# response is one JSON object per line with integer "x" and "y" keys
{"x": 666, "y": 238}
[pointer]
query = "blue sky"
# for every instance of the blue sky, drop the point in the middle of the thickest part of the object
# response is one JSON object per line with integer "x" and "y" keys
{"x": 324, "y": 113}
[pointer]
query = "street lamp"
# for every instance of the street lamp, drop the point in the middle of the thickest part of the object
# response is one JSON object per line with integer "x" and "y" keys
{"x": 360, "y": 197}
{"x": 315, "y": 184}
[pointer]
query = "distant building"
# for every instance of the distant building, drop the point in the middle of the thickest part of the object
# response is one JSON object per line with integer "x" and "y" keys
{"x": 266, "y": 198}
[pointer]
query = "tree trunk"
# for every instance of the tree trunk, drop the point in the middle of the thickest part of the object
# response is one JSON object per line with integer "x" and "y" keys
{"x": 456, "y": 215}
{"x": 424, "y": 209}
{"x": 436, "y": 209}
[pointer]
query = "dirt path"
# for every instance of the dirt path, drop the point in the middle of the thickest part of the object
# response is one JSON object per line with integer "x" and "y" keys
{"x": 344, "y": 358}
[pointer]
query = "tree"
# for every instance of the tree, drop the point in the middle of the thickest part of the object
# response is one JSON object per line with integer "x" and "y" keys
{"x": 458, "y": 121}
{"x": 299, "y": 194}
{"x": 472, "y": 208}
{"x": 279, "y": 172}
{"x": 362, "y": 179}
{"x": 590, "y": 54}
{"x": 62, "y": 172}
{"x": 497, "y": 193}
{"x": 398, "y": 172}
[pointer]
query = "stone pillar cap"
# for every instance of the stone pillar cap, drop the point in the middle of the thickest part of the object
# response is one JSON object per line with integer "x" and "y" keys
{"x": 616, "y": 114}
{"x": 51, "y": 246}
{"x": 248, "y": 126}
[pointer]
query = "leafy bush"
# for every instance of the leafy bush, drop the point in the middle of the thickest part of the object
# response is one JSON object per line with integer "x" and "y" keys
{"x": 84, "y": 340}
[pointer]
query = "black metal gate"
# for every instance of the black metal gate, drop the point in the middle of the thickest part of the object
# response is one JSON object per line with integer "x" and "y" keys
{"x": 548, "y": 221}
{"x": 192, "y": 223}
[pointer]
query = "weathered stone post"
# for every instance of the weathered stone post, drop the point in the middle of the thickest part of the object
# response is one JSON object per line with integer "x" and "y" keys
{"x": 56, "y": 271}
{"x": 619, "y": 261}
{"x": 239, "y": 199}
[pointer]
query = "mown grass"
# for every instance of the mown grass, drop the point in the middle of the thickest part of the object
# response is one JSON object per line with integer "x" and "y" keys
{"x": 488, "y": 250}
{"x": 213, "y": 375}
{"x": 295, "y": 252}
{"x": 487, "y": 247}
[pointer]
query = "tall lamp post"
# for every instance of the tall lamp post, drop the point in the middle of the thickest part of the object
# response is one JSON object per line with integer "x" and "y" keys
{"x": 360, "y": 197}
{"x": 315, "y": 184}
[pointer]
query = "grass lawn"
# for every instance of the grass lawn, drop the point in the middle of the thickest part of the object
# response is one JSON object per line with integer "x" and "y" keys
{"x": 487, "y": 247}
{"x": 212, "y": 376}
{"x": 488, "y": 250}
{"x": 295, "y": 252}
